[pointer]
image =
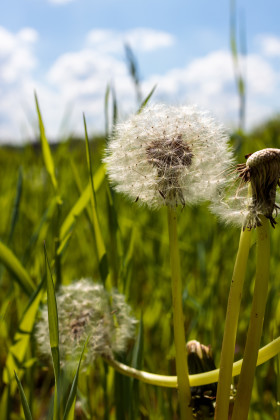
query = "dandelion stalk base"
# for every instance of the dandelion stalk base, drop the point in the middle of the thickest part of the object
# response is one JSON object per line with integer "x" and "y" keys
{"x": 178, "y": 319}
{"x": 233, "y": 308}
{"x": 245, "y": 384}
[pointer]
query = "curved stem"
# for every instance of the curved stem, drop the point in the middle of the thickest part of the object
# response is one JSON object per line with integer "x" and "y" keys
{"x": 265, "y": 353}
{"x": 245, "y": 384}
{"x": 178, "y": 319}
{"x": 233, "y": 308}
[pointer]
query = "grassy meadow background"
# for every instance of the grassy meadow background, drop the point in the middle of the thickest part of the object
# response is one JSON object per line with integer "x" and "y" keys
{"x": 136, "y": 242}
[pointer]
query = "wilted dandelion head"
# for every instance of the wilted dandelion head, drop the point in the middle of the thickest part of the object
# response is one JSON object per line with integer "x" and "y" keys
{"x": 87, "y": 310}
{"x": 200, "y": 360}
{"x": 168, "y": 155}
{"x": 242, "y": 205}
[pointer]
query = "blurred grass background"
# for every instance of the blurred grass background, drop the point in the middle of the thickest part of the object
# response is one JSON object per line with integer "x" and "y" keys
{"x": 136, "y": 241}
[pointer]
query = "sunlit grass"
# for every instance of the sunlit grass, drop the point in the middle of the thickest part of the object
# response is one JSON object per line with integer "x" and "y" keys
{"x": 138, "y": 266}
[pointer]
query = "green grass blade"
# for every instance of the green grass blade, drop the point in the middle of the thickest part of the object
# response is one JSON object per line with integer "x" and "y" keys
{"x": 79, "y": 206}
{"x": 70, "y": 405}
{"x": 122, "y": 396}
{"x": 21, "y": 340}
{"x": 52, "y": 308}
{"x": 277, "y": 370}
{"x": 115, "y": 106}
{"x": 15, "y": 211}
{"x": 133, "y": 69}
{"x": 57, "y": 259}
{"x": 146, "y": 100}
{"x": 115, "y": 245}
{"x": 10, "y": 261}
{"x": 5, "y": 403}
{"x": 54, "y": 335}
{"x": 78, "y": 184}
{"x": 137, "y": 359}
{"x": 48, "y": 160}
{"x": 137, "y": 356}
{"x": 64, "y": 243}
{"x": 89, "y": 164}
{"x": 239, "y": 77}
{"x": 41, "y": 230}
{"x": 106, "y": 111}
{"x": 25, "y": 406}
{"x": 100, "y": 246}
{"x": 126, "y": 271}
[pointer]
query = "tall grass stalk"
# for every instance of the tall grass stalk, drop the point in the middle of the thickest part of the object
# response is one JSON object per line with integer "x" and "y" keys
{"x": 238, "y": 57}
{"x": 178, "y": 319}
{"x": 233, "y": 308}
{"x": 245, "y": 384}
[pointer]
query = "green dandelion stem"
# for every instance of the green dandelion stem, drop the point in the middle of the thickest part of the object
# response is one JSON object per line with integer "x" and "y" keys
{"x": 233, "y": 308}
{"x": 265, "y": 353}
{"x": 245, "y": 384}
{"x": 178, "y": 319}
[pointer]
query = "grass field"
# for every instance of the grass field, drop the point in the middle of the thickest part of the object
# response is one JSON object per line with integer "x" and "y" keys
{"x": 38, "y": 204}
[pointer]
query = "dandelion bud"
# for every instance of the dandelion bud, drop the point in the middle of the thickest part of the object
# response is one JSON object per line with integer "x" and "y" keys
{"x": 244, "y": 206}
{"x": 200, "y": 360}
{"x": 87, "y": 310}
{"x": 168, "y": 156}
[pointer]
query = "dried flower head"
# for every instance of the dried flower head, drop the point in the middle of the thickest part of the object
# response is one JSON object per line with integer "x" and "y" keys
{"x": 243, "y": 206}
{"x": 87, "y": 310}
{"x": 168, "y": 156}
{"x": 200, "y": 359}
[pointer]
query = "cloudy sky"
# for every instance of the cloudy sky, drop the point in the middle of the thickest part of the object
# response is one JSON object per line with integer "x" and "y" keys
{"x": 68, "y": 51}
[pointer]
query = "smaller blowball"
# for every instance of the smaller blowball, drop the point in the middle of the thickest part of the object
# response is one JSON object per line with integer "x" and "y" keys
{"x": 87, "y": 310}
{"x": 250, "y": 190}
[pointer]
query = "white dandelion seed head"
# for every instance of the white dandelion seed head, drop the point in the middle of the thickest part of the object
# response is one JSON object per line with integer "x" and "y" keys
{"x": 168, "y": 155}
{"x": 87, "y": 310}
{"x": 250, "y": 191}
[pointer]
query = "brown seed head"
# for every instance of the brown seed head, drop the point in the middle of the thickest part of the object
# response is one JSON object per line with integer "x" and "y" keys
{"x": 79, "y": 324}
{"x": 169, "y": 156}
{"x": 262, "y": 170}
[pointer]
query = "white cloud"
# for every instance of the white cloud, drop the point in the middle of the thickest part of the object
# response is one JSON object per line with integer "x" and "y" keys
{"x": 17, "y": 61}
{"x": 270, "y": 45}
{"x": 209, "y": 82}
{"x": 83, "y": 70}
{"x": 140, "y": 39}
{"x": 76, "y": 82}
{"x": 262, "y": 78}
{"x": 81, "y": 77}
{"x": 16, "y": 57}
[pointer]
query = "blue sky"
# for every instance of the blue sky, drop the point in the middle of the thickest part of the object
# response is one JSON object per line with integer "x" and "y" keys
{"x": 68, "y": 51}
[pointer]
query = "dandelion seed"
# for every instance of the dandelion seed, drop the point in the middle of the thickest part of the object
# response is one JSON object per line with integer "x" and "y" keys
{"x": 168, "y": 156}
{"x": 87, "y": 310}
{"x": 242, "y": 207}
